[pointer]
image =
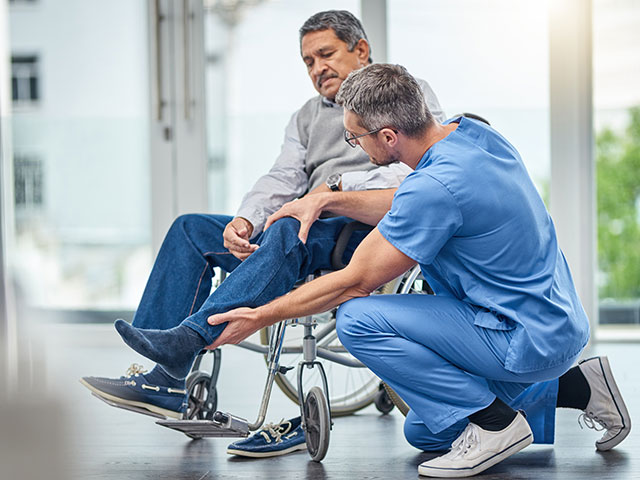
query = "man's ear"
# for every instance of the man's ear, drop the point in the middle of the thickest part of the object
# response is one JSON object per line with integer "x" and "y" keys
{"x": 389, "y": 137}
{"x": 362, "y": 51}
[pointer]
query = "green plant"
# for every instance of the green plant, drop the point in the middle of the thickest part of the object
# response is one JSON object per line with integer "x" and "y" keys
{"x": 618, "y": 182}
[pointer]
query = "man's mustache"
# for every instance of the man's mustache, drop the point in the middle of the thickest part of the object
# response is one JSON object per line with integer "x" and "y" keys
{"x": 325, "y": 76}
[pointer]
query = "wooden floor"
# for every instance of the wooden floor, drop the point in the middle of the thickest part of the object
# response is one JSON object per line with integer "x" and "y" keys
{"x": 108, "y": 443}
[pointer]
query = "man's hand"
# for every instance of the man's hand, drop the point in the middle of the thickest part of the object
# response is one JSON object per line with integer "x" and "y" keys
{"x": 236, "y": 237}
{"x": 242, "y": 323}
{"x": 306, "y": 210}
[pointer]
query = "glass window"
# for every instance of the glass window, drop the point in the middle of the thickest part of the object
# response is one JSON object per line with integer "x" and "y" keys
{"x": 81, "y": 158}
{"x": 24, "y": 79}
{"x": 488, "y": 57}
{"x": 616, "y": 76}
{"x": 28, "y": 175}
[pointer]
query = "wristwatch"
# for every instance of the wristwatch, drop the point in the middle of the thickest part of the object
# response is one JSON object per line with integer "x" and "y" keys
{"x": 333, "y": 182}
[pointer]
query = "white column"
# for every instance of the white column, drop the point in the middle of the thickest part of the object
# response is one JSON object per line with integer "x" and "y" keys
{"x": 374, "y": 20}
{"x": 572, "y": 143}
{"x": 178, "y": 142}
{"x": 191, "y": 149}
{"x": 8, "y": 323}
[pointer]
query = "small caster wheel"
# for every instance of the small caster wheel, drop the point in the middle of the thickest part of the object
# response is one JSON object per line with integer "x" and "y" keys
{"x": 202, "y": 399}
{"x": 383, "y": 402}
{"x": 317, "y": 424}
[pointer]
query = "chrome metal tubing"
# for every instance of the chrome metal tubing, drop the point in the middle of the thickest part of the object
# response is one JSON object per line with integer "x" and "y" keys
{"x": 321, "y": 352}
{"x": 339, "y": 358}
{"x": 275, "y": 347}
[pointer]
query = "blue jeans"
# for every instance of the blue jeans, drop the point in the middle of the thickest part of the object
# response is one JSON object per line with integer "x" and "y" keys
{"x": 179, "y": 287}
{"x": 428, "y": 349}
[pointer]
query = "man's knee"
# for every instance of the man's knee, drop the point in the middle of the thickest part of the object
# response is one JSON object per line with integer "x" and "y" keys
{"x": 284, "y": 226}
{"x": 282, "y": 234}
{"x": 182, "y": 220}
{"x": 196, "y": 223}
{"x": 180, "y": 226}
{"x": 187, "y": 221}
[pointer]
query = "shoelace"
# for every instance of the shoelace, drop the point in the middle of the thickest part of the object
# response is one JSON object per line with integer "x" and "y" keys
{"x": 135, "y": 369}
{"x": 466, "y": 441}
{"x": 276, "y": 430}
{"x": 592, "y": 421}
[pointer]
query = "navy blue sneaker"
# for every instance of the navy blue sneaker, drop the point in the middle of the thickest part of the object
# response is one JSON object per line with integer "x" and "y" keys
{"x": 273, "y": 440}
{"x": 134, "y": 390}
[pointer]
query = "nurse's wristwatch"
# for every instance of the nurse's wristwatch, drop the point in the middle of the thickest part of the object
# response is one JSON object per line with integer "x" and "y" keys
{"x": 333, "y": 182}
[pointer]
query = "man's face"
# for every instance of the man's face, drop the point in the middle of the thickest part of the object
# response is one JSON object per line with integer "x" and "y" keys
{"x": 379, "y": 152}
{"x": 329, "y": 61}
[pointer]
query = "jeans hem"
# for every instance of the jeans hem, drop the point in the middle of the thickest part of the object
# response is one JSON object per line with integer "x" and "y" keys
{"x": 200, "y": 331}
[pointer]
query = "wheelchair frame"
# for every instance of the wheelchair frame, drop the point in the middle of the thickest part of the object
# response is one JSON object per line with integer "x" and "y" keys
{"x": 314, "y": 406}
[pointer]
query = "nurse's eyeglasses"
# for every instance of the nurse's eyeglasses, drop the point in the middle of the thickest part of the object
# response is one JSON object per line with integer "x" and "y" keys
{"x": 351, "y": 140}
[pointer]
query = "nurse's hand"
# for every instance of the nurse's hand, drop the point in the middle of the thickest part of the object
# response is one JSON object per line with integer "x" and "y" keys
{"x": 306, "y": 210}
{"x": 242, "y": 322}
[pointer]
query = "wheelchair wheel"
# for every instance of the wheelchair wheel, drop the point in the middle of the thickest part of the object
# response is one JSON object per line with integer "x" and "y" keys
{"x": 317, "y": 424}
{"x": 383, "y": 402}
{"x": 350, "y": 388}
{"x": 202, "y": 400}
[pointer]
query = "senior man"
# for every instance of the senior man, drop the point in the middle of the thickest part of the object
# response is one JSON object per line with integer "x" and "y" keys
{"x": 485, "y": 362}
{"x": 315, "y": 161}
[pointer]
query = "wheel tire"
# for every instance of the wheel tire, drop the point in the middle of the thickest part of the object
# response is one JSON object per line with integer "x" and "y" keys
{"x": 317, "y": 424}
{"x": 383, "y": 401}
{"x": 202, "y": 404}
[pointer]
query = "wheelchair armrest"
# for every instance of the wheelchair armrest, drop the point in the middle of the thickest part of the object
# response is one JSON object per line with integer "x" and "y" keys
{"x": 343, "y": 240}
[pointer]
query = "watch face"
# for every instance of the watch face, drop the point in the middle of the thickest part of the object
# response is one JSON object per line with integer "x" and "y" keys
{"x": 333, "y": 179}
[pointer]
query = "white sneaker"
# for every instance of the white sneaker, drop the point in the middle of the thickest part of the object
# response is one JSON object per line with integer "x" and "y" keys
{"x": 477, "y": 449}
{"x": 606, "y": 409}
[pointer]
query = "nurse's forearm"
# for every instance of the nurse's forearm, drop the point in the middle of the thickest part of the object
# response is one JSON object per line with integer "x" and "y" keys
{"x": 314, "y": 297}
{"x": 367, "y": 206}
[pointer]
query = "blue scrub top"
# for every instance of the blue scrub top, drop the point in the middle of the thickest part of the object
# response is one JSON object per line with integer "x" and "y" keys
{"x": 471, "y": 217}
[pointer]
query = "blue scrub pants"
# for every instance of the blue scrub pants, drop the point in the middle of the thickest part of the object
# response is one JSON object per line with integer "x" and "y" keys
{"x": 444, "y": 367}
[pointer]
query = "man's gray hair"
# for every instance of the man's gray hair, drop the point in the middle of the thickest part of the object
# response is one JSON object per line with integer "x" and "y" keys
{"x": 344, "y": 24}
{"x": 384, "y": 95}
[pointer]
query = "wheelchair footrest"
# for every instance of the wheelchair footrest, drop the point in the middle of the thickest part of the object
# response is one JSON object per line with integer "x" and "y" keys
{"x": 131, "y": 408}
{"x": 222, "y": 425}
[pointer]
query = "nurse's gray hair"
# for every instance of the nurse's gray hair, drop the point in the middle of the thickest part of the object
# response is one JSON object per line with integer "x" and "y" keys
{"x": 344, "y": 24}
{"x": 384, "y": 95}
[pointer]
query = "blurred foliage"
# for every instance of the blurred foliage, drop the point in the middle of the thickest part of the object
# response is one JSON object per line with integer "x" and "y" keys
{"x": 618, "y": 177}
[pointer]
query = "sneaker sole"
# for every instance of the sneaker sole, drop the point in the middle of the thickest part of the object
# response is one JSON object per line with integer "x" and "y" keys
{"x": 244, "y": 453}
{"x": 490, "y": 462}
{"x": 620, "y": 406}
{"x": 146, "y": 406}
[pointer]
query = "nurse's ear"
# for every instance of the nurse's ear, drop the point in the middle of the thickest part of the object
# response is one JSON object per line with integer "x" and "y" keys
{"x": 389, "y": 136}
